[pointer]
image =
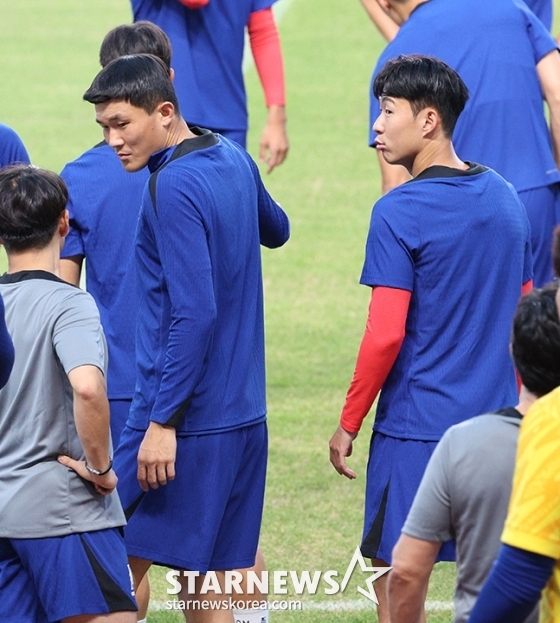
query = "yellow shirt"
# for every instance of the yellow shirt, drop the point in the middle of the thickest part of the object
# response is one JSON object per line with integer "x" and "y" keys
{"x": 533, "y": 521}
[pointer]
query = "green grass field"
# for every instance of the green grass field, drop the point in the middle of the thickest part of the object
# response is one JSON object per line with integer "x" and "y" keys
{"x": 315, "y": 309}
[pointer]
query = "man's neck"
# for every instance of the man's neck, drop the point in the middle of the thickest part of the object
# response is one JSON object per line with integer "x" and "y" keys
{"x": 437, "y": 153}
{"x": 526, "y": 400}
{"x": 47, "y": 259}
{"x": 178, "y": 132}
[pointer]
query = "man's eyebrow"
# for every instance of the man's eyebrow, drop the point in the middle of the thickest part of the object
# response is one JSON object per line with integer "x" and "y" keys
{"x": 116, "y": 117}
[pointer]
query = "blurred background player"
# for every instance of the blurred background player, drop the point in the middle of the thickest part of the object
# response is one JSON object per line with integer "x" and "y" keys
{"x": 389, "y": 28}
{"x": 521, "y": 64}
{"x": 465, "y": 491}
{"x": 200, "y": 391}
{"x": 62, "y": 556}
{"x": 447, "y": 255}
{"x": 12, "y": 149}
{"x": 528, "y": 564}
{"x": 208, "y": 38}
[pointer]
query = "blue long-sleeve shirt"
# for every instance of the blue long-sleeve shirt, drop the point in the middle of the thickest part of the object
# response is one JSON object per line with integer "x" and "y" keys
{"x": 6, "y": 348}
{"x": 200, "y": 334}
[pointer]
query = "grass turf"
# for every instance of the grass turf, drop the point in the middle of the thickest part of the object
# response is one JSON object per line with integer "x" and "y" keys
{"x": 315, "y": 310}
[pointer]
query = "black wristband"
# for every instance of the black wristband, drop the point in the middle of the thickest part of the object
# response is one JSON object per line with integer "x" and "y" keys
{"x": 96, "y": 472}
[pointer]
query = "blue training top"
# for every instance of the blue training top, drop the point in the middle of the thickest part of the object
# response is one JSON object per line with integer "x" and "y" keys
{"x": 12, "y": 149}
{"x": 200, "y": 336}
{"x": 104, "y": 204}
{"x": 208, "y": 46}
{"x": 460, "y": 242}
{"x": 543, "y": 10}
{"x": 494, "y": 47}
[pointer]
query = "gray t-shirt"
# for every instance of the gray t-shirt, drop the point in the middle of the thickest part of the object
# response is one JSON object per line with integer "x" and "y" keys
{"x": 55, "y": 328}
{"x": 464, "y": 495}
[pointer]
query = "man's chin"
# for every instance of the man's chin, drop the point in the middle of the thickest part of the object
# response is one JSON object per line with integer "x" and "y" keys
{"x": 132, "y": 167}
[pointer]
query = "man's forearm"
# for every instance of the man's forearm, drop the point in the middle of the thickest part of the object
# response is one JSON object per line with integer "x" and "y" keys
{"x": 548, "y": 70}
{"x": 91, "y": 415}
{"x": 386, "y": 26}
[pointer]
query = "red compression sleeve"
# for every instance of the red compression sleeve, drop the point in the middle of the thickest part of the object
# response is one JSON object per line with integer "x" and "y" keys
{"x": 265, "y": 45}
{"x": 382, "y": 341}
{"x": 194, "y": 4}
{"x": 526, "y": 287}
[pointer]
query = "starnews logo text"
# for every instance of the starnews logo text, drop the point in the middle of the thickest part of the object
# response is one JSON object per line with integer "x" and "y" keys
{"x": 276, "y": 582}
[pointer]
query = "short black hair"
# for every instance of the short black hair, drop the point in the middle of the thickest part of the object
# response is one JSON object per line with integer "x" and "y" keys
{"x": 140, "y": 79}
{"x": 140, "y": 38}
{"x": 424, "y": 81}
{"x": 535, "y": 343}
{"x": 32, "y": 201}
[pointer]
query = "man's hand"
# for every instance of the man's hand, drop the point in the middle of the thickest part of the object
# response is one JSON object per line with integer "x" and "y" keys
{"x": 274, "y": 143}
{"x": 156, "y": 457}
{"x": 103, "y": 484}
{"x": 340, "y": 447}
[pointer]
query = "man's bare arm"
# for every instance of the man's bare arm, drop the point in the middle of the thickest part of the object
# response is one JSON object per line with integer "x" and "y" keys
{"x": 91, "y": 416}
{"x": 386, "y": 26}
{"x": 71, "y": 269}
{"x": 548, "y": 70}
{"x": 412, "y": 561}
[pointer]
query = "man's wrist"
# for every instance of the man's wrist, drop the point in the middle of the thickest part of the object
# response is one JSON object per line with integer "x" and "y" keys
{"x": 97, "y": 472}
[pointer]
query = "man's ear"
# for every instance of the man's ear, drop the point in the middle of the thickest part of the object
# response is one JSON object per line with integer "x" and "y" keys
{"x": 430, "y": 120}
{"x": 384, "y": 4}
{"x": 166, "y": 111}
{"x": 64, "y": 224}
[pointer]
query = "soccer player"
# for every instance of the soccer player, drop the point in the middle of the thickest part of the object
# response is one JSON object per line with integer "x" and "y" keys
{"x": 446, "y": 257}
{"x": 12, "y": 149}
{"x": 104, "y": 204}
{"x": 465, "y": 490}
{"x": 208, "y": 38}
{"x": 192, "y": 458}
{"x": 389, "y": 28}
{"x": 503, "y": 125}
{"x": 528, "y": 565}
{"x": 62, "y": 556}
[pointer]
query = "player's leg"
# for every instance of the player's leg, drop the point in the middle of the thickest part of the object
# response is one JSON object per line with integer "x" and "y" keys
{"x": 194, "y": 612}
{"x": 139, "y": 569}
{"x": 394, "y": 472}
{"x": 251, "y": 593}
{"x": 125, "y": 465}
{"x": 114, "y": 617}
{"x": 238, "y": 526}
{"x": 82, "y": 575}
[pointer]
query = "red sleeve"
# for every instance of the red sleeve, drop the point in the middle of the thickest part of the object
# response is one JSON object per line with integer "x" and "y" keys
{"x": 526, "y": 287}
{"x": 194, "y": 4}
{"x": 265, "y": 45}
{"x": 382, "y": 341}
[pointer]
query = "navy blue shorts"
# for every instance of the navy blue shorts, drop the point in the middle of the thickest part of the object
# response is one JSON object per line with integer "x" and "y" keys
{"x": 209, "y": 516}
{"x": 395, "y": 469}
{"x": 543, "y": 209}
{"x": 49, "y": 579}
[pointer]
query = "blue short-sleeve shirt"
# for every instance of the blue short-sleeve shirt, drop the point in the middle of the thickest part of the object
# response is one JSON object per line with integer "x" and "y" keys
{"x": 460, "y": 243}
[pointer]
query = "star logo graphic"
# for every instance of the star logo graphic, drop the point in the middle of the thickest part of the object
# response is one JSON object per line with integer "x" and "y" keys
{"x": 377, "y": 572}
